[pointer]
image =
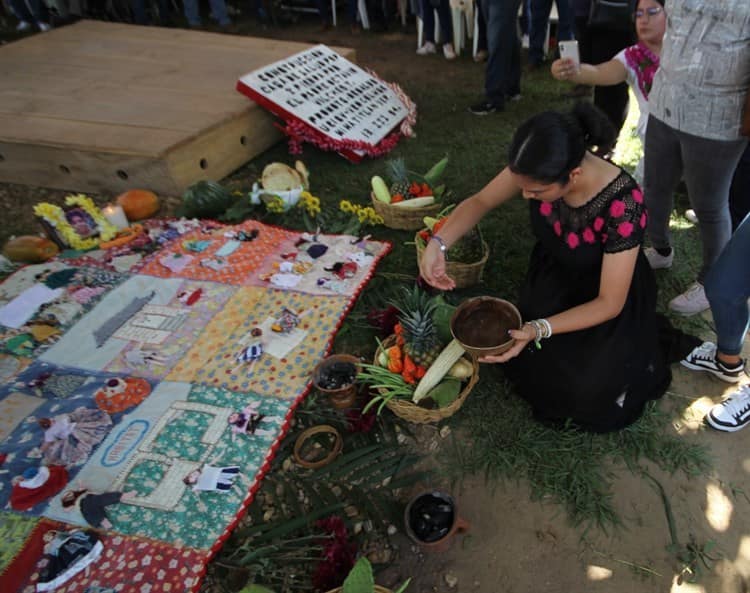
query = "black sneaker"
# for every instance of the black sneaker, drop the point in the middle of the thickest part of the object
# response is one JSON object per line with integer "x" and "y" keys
{"x": 485, "y": 108}
{"x": 703, "y": 358}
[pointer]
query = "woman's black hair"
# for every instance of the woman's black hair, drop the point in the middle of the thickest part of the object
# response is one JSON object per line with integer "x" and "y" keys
{"x": 549, "y": 145}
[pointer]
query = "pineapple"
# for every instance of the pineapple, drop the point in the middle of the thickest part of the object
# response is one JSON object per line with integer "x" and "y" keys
{"x": 399, "y": 177}
{"x": 421, "y": 341}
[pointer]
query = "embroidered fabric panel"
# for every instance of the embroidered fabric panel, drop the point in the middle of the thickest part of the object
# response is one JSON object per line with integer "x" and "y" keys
{"x": 615, "y": 217}
{"x": 203, "y": 251}
{"x": 213, "y": 358}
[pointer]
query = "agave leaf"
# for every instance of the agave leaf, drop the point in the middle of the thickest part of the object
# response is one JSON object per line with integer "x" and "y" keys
{"x": 345, "y": 459}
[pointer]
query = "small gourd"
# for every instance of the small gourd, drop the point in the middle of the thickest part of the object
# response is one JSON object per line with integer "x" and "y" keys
{"x": 138, "y": 204}
{"x": 30, "y": 249}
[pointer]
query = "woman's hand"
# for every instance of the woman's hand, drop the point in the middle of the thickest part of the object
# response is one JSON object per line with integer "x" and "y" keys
{"x": 521, "y": 336}
{"x": 564, "y": 69}
{"x": 432, "y": 267}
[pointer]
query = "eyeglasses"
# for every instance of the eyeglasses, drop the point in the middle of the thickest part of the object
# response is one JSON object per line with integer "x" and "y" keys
{"x": 652, "y": 11}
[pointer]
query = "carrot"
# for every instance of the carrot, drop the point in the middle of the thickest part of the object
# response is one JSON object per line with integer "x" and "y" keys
{"x": 397, "y": 198}
{"x": 409, "y": 372}
{"x": 395, "y": 365}
{"x": 439, "y": 224}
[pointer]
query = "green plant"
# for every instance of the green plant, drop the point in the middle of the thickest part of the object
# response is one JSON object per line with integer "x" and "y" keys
{"x": 362, "y": 580}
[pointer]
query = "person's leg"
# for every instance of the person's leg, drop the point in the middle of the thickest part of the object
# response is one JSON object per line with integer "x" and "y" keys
{"x": 503, "y": 70}
{"x": 708, "y": 168}
{"x": 192, "y": 12}
{"x": 481, "y": 28}
{"x": 428, "y": 22}
{"x": 219, "y": 12}
{"x": 662, "y": 173}
{"x": 446, "y": 22}
{"x": 565, "y": 20}
{"x": 538, "y": 22}
{"x": 739, "y": 192}
{"x": 728, "y": 289}
{"x": 612, "y": 100}
{"x": 21, "y": 11}
{"x": 139, "y": 11}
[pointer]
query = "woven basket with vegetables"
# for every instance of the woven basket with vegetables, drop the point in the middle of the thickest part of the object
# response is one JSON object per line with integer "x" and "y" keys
{"x": 414, "y": 374}
{"x": 465, "y": 260}
{"x": 410, "y": 196}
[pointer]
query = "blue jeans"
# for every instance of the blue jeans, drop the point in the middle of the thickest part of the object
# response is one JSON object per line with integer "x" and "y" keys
{"x": 444, "y": 16}
{"x": 727, "y": 290}
{"x": 540, "y": 10}
{"x": 707, "y": 166}
{"x": 218, "y": 11}
{"x": 503, "y": 71}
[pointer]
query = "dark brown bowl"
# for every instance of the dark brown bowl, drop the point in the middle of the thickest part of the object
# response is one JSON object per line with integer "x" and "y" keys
{"x": 481, "y": 325}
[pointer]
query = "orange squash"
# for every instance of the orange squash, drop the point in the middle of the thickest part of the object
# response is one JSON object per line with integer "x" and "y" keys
{"x": 30, "y": 249}
{"x": 138, "y": 204}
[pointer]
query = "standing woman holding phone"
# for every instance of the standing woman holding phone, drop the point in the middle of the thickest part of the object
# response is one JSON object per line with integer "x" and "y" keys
{"x": 635, "y": 65}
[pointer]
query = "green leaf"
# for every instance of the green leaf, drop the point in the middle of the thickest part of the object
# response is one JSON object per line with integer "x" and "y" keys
{"x": 403, "y": 587}
{"x": 360, "y": 579}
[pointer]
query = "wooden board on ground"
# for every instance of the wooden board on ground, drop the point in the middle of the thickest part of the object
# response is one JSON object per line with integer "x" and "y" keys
{"x": 106, "y": 107}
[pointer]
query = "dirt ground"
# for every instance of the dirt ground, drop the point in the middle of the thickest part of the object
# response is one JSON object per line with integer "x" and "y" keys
{"x": 514, "y": 545}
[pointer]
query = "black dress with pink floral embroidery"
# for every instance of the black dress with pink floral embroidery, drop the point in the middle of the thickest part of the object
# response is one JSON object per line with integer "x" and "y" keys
{"x": 600, "y": 377}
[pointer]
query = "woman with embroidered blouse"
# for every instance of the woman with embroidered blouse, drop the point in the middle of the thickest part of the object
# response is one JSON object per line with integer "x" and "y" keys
{"x": 635, "y": 65}
{"x": 588, "y": 351}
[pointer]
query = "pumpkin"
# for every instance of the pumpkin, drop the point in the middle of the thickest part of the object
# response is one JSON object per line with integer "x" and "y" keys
{"x": 138, "y": 204}
{"x": 30, "y": 249}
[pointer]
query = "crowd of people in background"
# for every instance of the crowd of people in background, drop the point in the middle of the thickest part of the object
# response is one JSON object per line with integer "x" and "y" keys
{"x": 691, "y": 80}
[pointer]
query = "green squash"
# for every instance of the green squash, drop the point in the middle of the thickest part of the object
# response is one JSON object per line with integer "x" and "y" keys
{"x": 205, "y": 199}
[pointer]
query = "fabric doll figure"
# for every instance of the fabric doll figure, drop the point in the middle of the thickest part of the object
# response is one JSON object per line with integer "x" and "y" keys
{"x": 67, "y": 553}
{"x": 212, "y": 479}
{"x": 37, "y": 485}
{"x": 93, "y": 505}
{"x": 248, "y": 420}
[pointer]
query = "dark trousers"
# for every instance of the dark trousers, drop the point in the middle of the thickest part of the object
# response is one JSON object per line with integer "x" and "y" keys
{"x": 739, "y": 192}
{"x": 601, "y": 45}
{"x": 503, "y": 71}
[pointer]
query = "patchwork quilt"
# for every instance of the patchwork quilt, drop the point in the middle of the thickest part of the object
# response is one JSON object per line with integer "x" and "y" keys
{"x": 144, "y": 391}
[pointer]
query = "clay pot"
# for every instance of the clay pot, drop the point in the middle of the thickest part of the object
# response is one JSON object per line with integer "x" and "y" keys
{"x": 431, "y": 520}
{"x": 481, "y": 325}
{"x": 340, "y": 397}
{"x": 337, "y": 444}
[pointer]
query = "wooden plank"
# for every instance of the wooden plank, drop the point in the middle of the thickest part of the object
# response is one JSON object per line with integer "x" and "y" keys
{"x": 217, "y": 153}
{"x": 78, "y": 170}
{"x": 101, "y": 106}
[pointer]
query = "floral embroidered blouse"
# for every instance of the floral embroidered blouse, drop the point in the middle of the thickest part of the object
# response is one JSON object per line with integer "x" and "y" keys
{"x": 615, "y": 218}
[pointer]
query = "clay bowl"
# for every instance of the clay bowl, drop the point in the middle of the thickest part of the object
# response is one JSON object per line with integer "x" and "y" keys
{"x": 481, "y": 325}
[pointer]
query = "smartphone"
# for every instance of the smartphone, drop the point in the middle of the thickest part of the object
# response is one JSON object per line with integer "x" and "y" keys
{"x": 569, "y": 49}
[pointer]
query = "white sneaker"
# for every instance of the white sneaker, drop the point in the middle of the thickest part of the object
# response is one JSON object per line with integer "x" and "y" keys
{"x": 448, "y": 52}
{"x": 426, "y": 49}
{"x": 43, "y": 27}
{"x": 733, "y": 413}
{"x": 23, "y": 26}
{"x": 656, "y": 260}
{"x": 691, "y": 216}
{"x": 690, "y": 302}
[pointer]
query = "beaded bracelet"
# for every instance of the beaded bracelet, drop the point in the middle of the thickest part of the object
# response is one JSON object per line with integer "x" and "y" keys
{"x": 542, "y": 329}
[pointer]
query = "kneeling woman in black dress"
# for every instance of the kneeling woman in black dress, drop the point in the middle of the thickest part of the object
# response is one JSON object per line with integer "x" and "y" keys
{"x": 588, "y": 351}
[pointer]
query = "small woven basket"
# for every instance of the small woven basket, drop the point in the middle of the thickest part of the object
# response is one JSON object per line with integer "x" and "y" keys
{"x": 463, "y": 274}
{"x": 408, "y": 410}
{"x": 401, "y": 217}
